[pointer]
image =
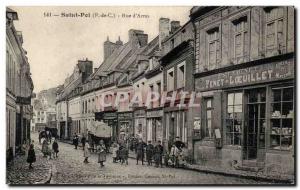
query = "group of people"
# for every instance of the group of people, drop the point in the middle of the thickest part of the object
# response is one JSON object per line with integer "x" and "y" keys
{"x": 48, "y": 150}
{"x": 100, "y": 148}
{"x": 153, "y": 153}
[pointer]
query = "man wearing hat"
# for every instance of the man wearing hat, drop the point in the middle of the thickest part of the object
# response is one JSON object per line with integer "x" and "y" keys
{"x": 158, "y": 152}
{"x": 140, "y": 151}
{"x": 149, "y": 153}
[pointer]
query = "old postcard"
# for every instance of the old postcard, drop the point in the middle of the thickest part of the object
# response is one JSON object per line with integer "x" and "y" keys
{"x": 190, "y": 95}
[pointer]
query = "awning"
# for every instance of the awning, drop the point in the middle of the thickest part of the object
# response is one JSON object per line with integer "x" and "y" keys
{"x": 100, "y": 129}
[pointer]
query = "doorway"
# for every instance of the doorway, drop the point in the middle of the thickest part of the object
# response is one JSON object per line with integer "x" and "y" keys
{"x": 255, "y": 123}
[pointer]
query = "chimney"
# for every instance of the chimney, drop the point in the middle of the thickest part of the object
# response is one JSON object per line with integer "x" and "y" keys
{"x": 164, "y": 30}
{"x": 174, "y": 26}
{"x": 137, "y": 37}
{"x": 109, "y": 47}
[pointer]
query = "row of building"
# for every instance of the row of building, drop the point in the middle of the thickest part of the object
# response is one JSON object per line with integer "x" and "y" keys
{"x": 238, "y": 60}
{"x": 19, "y": 88}
{"x": 44, "y": 110}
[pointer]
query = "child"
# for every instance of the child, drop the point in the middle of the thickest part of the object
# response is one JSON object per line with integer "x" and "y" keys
{"x": 124, "y": 155}
{"x": 31, "y": 156}
{"x": 115, "y": 152}
{"x": 86, "y": 153}
{"x": 55, "y": 149}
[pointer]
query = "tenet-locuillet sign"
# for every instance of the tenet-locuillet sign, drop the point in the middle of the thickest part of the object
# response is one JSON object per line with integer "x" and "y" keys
{"x": 251, "y": 75}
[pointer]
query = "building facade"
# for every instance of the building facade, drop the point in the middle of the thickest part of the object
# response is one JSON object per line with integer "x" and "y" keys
{"x": 244, "y": 69}
{"x": 19, "y": 87}
{"x": 177, "y": 61}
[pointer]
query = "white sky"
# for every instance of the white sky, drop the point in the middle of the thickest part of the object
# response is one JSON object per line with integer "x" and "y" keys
{"x": 55, "y": 44}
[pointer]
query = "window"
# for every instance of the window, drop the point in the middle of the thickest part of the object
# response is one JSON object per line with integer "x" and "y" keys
{"x": 208, "y": 132}
{"x": 151, "y": 91}
{"x": 170, "y": 80}
{"x": 240, "y": 39}
{"x": 274, "y": 31}
{"x": 159, "y": 91}
{"x": 181, "y": 75}
{"x": 234, "y": 118}
{"x": 213, "y": 47}
{"x": 282, "y": 114}
{"x": 167, "y": 126}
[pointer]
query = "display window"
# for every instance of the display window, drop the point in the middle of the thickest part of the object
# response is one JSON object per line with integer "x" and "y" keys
{"x": 282, "y": 118}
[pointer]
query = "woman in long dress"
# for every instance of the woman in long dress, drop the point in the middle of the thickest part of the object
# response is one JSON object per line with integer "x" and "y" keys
{"x": 86, "y": 153}
{"x": 101, "y": 150}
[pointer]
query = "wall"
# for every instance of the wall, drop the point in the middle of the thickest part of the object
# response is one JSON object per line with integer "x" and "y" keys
{"x": 223, "y": 18}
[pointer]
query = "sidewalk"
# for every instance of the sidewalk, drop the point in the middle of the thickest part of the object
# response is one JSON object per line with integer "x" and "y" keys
{"x": 235, "y": 173}
{"x": 18, "y": 173}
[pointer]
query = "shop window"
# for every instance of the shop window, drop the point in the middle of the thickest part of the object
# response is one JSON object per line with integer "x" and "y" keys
{"x": 282, "y": 114}
{"x": 234, "y": 118}
{"x": 167, "y": 126}
{"x": 208, "y": 131}
{"x": 240, "y": 40}
{"x": 181, "y": 75}
{"x": 213, "y": 47}
{"x": 170, "y": 80}
{"x": 274, "y": 30}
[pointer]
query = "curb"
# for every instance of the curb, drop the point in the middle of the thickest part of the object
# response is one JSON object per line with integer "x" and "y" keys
{"x": 47, "y": 180}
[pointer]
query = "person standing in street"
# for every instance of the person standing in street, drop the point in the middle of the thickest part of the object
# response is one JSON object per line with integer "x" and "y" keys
{"x": 83, "y": 141}
{"x": 140, "y": 152}
{"x": 45, "y": 148}
{"x": 115, "y": 148}
{"x": 101, "y": 149}
{"x": 31, "y": 156}
{"x": 55, "y": 148}
{"x": 124, "y": 154}
{"x": 158, "y": 151}
{"x": 75, "y": 140}
{"x": 149, "y": 153}
{"x": 86, "y": 153}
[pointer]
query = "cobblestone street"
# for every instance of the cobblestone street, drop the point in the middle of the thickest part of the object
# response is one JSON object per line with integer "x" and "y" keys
{"x": 19, "y": 173}
{"x": 69, "y": 169}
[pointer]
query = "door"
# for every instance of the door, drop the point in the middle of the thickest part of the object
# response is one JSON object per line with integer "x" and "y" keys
{"x": 255, "y": 124}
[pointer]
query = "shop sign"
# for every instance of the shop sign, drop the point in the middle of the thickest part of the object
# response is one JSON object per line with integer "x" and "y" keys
{"x": 109, "y": 115}
{"x": 124, "y": 116}
{"x": 251, "y": 75}
{"x": 155, "y": 113}
{"x": 139, "y": 113}
{"x": 23, "y": 100}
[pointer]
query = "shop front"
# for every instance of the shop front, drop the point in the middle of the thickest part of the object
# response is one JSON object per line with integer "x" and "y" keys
{"x": 140, "y": 124}
{"x": 125, "y": 126}
{"x": 247, "y": 118}
{"x": 154, "y": 125}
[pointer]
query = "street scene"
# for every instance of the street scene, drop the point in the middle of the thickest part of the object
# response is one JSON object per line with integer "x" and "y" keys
{"x": 201, "y": 95}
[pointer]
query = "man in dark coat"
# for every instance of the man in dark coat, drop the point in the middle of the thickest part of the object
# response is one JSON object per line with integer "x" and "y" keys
{"x": 158, "y": 152}
{"x": 55, "y": 148}
{"x": 31, "y": 156}
{"x": 140, "y": 152}
{"x": 83, "y": 141}
{"x": 75, "y": 141}
{"x": 149, "y": 153}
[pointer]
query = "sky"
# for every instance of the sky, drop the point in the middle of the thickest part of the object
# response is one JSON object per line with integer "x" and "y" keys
{"x": 54, "y": 44}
